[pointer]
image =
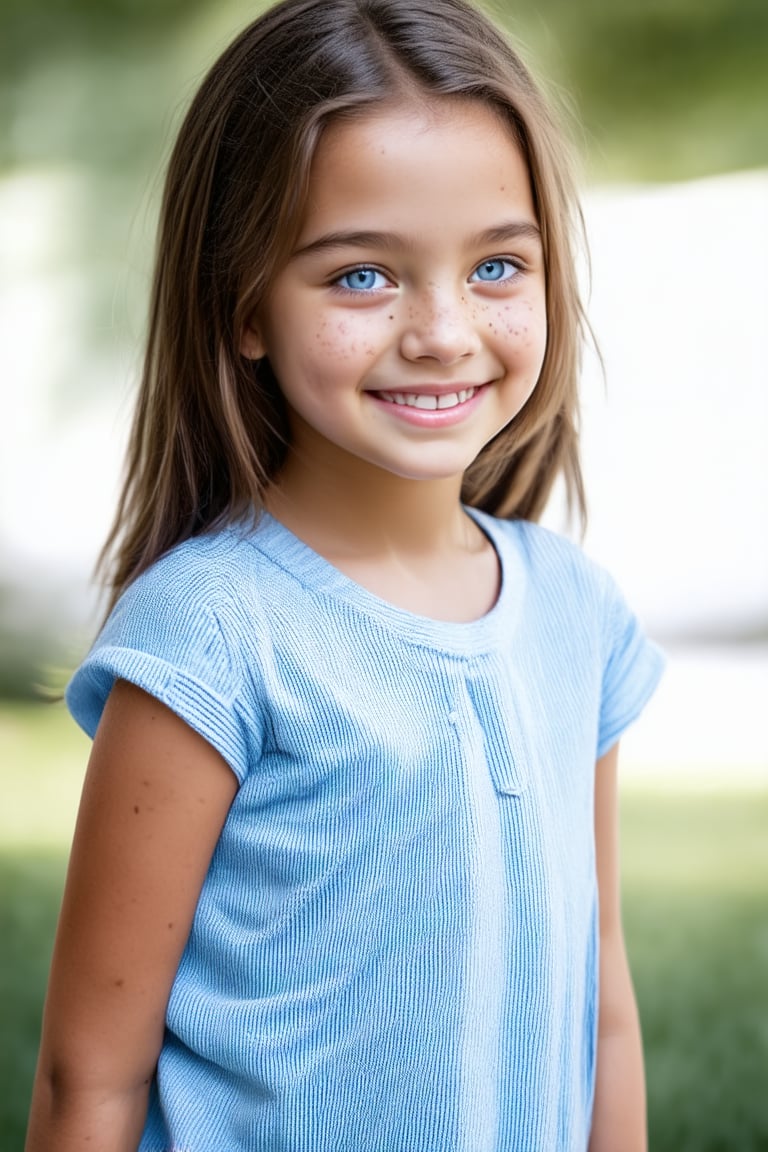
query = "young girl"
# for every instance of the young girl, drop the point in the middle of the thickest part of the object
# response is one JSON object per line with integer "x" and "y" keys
{"x": 345, "y": 872}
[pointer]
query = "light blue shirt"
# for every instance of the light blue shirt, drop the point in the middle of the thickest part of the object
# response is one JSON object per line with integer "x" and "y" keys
{"x": 395, "y": 949}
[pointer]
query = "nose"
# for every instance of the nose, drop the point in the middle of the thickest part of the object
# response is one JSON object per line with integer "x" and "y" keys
{"x": 440, "y": 326}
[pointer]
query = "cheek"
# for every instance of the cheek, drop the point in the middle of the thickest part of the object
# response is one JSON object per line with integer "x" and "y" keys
{"x": 341, "y": 340}
{"x": 536, "y": 336}
{"x": 520, "y": 327}
{"x": 521, "y": 332}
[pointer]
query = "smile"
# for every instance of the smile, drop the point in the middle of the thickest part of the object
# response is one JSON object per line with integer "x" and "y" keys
{"x": 427, "y": 402}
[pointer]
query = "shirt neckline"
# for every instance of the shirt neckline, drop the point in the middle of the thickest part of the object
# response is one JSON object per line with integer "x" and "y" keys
{"x": 277, "y": 543}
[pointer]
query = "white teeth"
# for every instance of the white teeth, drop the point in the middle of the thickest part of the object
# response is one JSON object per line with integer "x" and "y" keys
{"x": 427, "y": 402}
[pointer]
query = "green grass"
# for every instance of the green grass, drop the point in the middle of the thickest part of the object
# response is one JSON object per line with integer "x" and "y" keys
{"x": 696, "y": 913}
{"x": 696, "y": 910}
{"x": 30, "y": 891}
{"x": 42, "y": 759}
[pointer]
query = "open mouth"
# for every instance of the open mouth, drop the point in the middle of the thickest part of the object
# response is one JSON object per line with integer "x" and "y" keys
{"x": 427, "y": 402}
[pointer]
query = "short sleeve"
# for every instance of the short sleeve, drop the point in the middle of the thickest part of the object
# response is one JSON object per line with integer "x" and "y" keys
{"x": 165, "y": 636}
{"x": 632, "y": 668}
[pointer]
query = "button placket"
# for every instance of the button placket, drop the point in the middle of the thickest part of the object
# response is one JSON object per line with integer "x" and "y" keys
{"x": 493, "y": 706}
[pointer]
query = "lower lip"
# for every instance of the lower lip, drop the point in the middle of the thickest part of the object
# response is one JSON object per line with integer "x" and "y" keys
{"x": 431, "y": 417}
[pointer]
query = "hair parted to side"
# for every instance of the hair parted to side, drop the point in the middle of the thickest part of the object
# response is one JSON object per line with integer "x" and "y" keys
{"x": 210, "y": 431}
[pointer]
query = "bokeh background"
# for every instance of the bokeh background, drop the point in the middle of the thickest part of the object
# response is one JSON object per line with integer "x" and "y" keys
{"x": 669, "y": 102}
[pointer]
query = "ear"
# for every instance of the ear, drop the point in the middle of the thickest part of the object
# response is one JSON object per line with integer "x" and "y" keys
{"x": 252, "y": 344}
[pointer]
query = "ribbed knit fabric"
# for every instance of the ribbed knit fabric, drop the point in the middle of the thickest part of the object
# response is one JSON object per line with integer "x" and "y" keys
{"x": 395, "y": 949}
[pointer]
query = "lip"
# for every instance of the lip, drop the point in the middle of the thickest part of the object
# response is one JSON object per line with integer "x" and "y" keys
{"x": 428, "y": 418}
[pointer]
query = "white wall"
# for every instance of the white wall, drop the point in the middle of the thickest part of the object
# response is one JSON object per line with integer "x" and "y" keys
{"x": 676, "y": 443}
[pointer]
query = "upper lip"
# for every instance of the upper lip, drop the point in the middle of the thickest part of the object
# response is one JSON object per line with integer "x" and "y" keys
{"x": 428, "y": 389}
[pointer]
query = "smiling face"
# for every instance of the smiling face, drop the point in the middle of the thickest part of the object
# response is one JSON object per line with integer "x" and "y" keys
{"x": 408, "y": 327}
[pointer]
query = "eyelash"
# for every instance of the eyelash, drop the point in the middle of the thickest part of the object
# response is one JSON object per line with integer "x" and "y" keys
{"x": 516, "y": 265}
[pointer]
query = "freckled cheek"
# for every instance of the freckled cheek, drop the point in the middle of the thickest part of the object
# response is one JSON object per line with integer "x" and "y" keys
{"x": 521, "y": 326}
{"x": 344, "y": 341}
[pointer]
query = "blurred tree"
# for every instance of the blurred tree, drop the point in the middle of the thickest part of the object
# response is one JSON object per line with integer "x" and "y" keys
{"x": 666, "y": 89}
{"x": 37, "y": 28}
{"x": 25, "y": 648}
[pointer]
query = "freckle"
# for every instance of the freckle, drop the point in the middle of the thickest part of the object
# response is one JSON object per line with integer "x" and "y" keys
{"x": 135, "y": 809}
{"x": 390, "y": 317}
{"x": 119, "y": 983}
{"x": 170, "y": 925}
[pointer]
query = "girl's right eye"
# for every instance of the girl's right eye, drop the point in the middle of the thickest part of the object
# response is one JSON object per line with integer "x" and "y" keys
{"x": 362, "y": 279}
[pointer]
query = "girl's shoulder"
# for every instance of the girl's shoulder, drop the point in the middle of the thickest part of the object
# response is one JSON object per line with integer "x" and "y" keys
{"x": 565, "y": 585}
{"x": 581, "y": 619}
{"x": 177, "y": 631}
{"x": 211, "y": 581}
{"x": 553, "y": 564}
{"x": 205, "y": 566}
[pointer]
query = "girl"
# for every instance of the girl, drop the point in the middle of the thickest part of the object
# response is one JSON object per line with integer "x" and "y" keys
{"x": 335, "y": 878}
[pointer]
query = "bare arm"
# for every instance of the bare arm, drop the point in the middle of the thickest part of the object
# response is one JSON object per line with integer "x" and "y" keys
{"x": 155, "y": 798}
{"x": 619, "y": 1119}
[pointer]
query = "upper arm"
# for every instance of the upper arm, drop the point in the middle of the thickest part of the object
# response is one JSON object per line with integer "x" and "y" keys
{"x": 155, "y": 798}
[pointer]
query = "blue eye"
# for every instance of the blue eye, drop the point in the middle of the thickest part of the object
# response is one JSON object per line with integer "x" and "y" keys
{"x": 362, "y": 280}
{"x": 492, "y": 271}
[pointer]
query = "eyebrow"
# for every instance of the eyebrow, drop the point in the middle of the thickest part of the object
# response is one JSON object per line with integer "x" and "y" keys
{"x": 511, "y": 230}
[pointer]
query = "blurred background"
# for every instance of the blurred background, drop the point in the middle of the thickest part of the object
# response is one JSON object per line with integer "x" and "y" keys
{"x": 670, "y": 99}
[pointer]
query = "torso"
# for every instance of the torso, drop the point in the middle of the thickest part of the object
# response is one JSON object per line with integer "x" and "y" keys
{"x": 395, "y": 949}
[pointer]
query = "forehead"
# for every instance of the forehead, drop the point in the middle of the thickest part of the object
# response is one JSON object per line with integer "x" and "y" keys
{"x": 449, "y": 161}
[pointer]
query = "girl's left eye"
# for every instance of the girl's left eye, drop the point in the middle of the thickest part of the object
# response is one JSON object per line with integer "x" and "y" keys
{"x": 494, "y": 271}
{"x": 362, "y": 280}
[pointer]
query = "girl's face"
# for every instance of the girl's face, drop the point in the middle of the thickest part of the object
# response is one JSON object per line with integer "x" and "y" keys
{"x": 408, "y": 326}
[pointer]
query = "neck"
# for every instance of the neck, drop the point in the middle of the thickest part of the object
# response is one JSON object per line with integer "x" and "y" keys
{"x": 358, "y": 510}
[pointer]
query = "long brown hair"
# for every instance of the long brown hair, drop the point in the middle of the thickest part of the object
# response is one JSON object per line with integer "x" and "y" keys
{"x": 210, "y": 431}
